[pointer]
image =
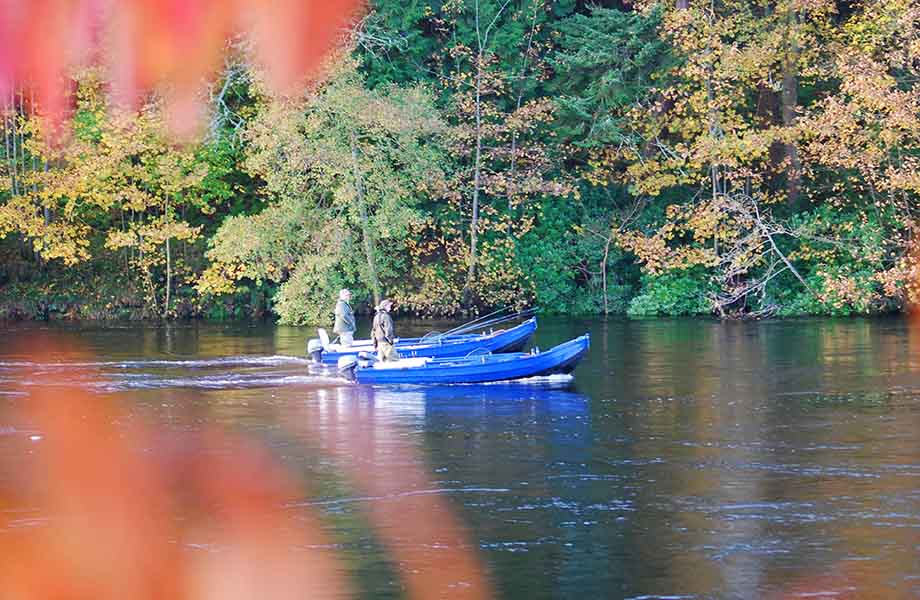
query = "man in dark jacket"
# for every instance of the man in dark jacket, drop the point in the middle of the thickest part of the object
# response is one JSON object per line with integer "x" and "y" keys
{"x": 383, "y": 333}
{"x": 344, "y": 319}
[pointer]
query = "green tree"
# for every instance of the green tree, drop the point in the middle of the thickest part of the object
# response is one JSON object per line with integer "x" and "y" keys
{"x": 606, "y": 64}
{"x": 345, "y": 170}
{"x": 118, "y": 177}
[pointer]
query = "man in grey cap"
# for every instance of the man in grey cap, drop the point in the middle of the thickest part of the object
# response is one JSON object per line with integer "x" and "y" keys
{"x": 344, "y": 319}
{"x": 383, "y": 333}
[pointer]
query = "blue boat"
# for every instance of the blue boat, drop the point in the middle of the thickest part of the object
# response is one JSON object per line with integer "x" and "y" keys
{"x": 477, "y": 368}
{"x": 499, "y": 340}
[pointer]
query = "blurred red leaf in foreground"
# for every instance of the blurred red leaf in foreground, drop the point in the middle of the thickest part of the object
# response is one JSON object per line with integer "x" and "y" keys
{"x": 124, "y": 509}
{"x": 176, "y": 44}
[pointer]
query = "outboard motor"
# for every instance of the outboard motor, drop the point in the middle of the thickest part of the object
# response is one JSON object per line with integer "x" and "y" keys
{"x": 346, "y": 367}
{"x": 315, "y": 350}
{"x": 366, "y": 359}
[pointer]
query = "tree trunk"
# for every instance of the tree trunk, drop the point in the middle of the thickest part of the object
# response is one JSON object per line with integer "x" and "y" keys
{"x": 168, "y": 280}
{"x": 482, "y": 42}
{"x": 370, "y": 250}
{"x": 604, "y": 273}
{"x": 32, "y": 114}
{"x": 8, "y": 149}
{"x": 715, "y": 132}
{"x": 130, "y": 249}
{"x": 49, "y": 214}
{"x": 477, "y": 166}
{"x": 520, "y": 99}
{"x": 790, "y": 99}
{"x": 14, "y": 163}
{"x": 21, "y": 168}
{"x": 168, "y": 268}
{"x": 148, "y": 277}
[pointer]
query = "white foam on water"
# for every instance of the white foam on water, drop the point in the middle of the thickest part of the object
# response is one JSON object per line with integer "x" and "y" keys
{"x": 216, "y": 382}
{"x": 223, "y": 361}
{"x": 555, "y": 380}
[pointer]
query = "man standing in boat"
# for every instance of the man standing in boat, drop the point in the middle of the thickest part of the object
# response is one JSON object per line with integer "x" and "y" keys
{"x": 344, "y": 319}
{"x": 382, "y": 332}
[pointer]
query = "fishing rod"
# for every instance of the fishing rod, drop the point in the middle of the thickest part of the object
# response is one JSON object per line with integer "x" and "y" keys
{"x": 474, "y": 322}
{"x": 495, "y": 321}
{"x": 498, "y": 314}
{"x": 477, "y": 322}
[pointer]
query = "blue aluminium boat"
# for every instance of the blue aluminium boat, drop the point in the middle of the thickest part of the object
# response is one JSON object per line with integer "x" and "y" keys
{"x": 499, "y": 340}
{"x": 477, "y": 368}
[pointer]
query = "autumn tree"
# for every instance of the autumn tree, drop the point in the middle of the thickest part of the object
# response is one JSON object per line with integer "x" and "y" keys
{"x": 119, "y": 177}
{"x": 861, "y": 149}
{"x": 505, "y": 162}
{"x": 707, "y": 134}
{"x": 344, "y": 170}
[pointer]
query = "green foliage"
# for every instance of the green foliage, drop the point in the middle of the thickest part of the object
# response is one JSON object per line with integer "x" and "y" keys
{"x": 306, "y": 297}
{"x": 605, "y": 65}
{"x": 96, "y": 290}
{"x": 546, "y": 255}
{"x": 227, "y": 186}
{"x": 840, "y": 253}
{"x": 827, "y": 296}
{"x": 673, "y": 294}
{"x": 589, "y": 301}
{"x": 562, "y": 257}
{"x": 344, "y": 172}
{"x": 422, "y": 42}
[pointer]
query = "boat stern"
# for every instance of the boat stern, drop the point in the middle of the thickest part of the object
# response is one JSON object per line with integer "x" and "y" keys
{"x": 315, "y": 350}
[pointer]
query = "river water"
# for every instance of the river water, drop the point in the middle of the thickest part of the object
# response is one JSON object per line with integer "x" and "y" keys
{"x": 686, "y": 459}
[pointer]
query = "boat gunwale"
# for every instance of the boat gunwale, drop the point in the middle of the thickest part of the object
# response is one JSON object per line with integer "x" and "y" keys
{"x": 519, "y": 365}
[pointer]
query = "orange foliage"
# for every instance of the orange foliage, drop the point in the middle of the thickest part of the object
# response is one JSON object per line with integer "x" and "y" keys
{"x": 152, "y": 43}
{"x": 123, "y": 505}
{"x": 120, "y": 521}
{"x": 912, "y": 285}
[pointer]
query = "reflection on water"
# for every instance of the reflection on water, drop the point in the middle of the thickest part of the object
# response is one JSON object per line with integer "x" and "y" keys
{"x": 688, "y": 459}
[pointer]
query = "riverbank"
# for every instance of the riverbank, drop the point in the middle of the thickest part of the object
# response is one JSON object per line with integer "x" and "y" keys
{"x": 107, "y": 290}
{"x": 107, "y": 296}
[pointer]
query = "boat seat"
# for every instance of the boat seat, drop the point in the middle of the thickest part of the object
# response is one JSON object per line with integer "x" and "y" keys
{"x": 330, "y": 346}
{"x": 324, "y": 339}
{"x": 403, "y": 363}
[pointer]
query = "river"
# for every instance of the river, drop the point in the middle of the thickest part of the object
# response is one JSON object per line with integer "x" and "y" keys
{"x": 687, "y": 459}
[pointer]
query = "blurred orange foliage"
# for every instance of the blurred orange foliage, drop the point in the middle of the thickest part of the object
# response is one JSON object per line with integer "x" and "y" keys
{"x": 126, "y": 510}
{"x": 124, "y": 504}
{"x": 176, "y": 44}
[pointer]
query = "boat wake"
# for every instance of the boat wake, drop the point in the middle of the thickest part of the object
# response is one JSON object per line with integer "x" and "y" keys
{"x": 557, "y": 379}
{"x": 228, "y": 372}
{"x": 209, "y": 363}
{"x": 215, "y": 382}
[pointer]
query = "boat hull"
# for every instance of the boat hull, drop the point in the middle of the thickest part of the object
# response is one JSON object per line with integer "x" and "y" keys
{"x": 502, "y": 340}
{"x": 480, "y": 369}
